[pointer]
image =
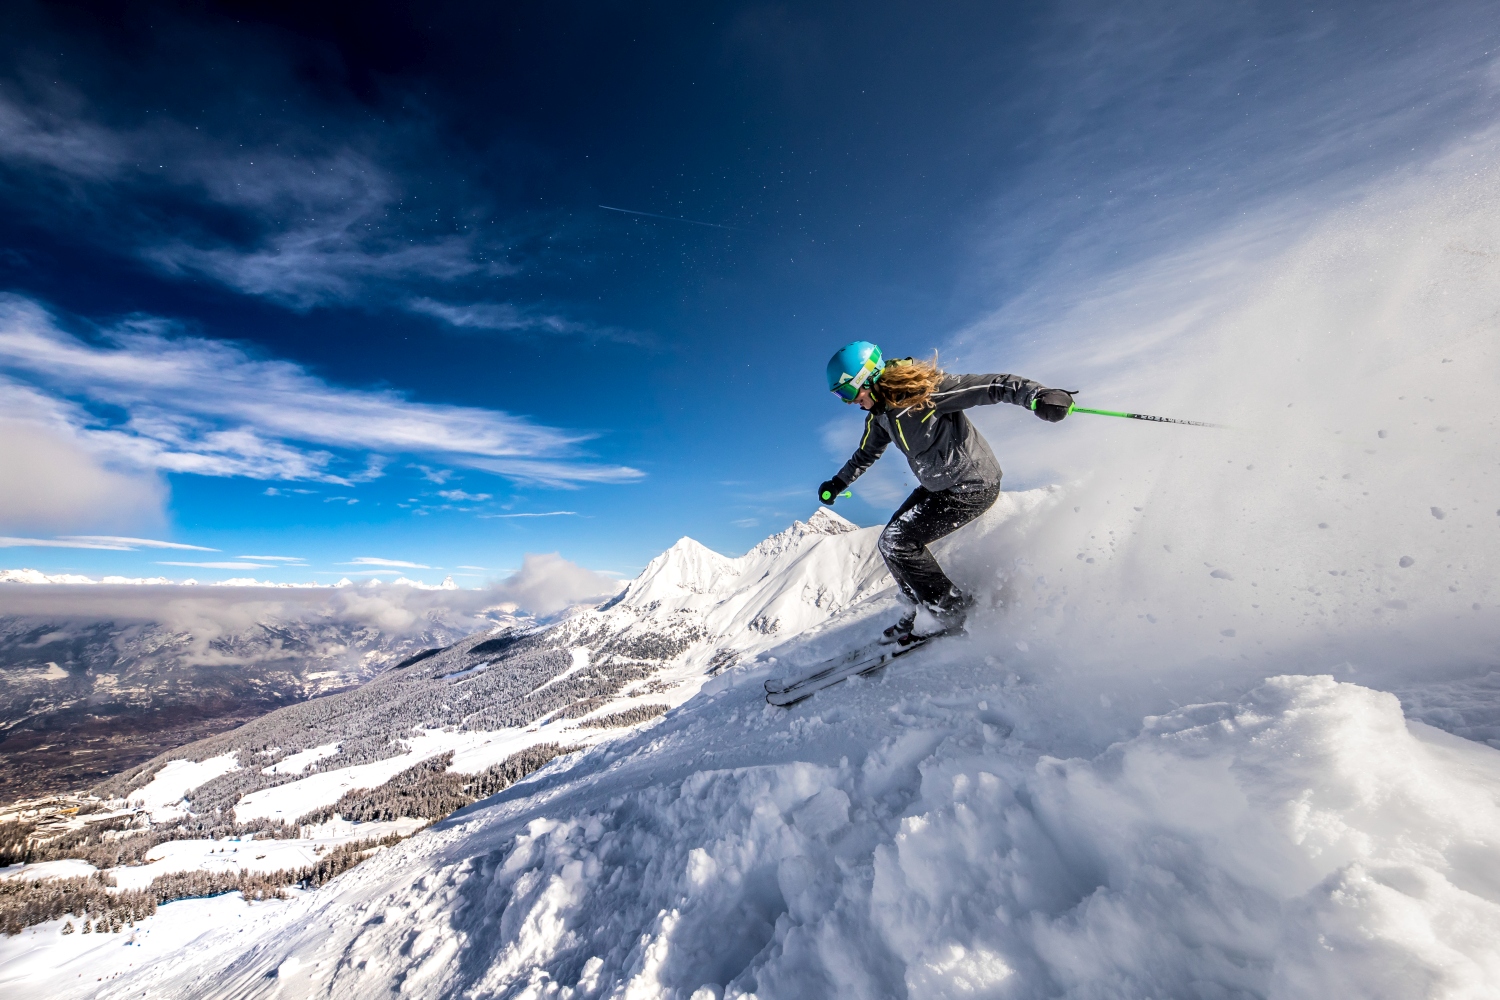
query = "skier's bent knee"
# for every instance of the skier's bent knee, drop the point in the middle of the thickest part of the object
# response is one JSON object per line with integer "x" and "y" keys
{"x": 895, "y": 544}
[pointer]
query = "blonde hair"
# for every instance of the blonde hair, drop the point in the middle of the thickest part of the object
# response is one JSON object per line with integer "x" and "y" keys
{"x": 908, "y": 384}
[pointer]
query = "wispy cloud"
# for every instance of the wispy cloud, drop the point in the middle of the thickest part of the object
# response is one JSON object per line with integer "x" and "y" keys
{"x": 493, "y": 316}
{"x": 549, "y": 513}
{"x": 141, "y": 543}
{"x": 459, "y": 496}
{"x": 107, "y": 543}
{"x": 56, "y": 543}
{"x": 375, "y": 561}
{"x": 285, "y": 559}
{"x": 218, "y": 565}
{"x": 554, "y": 473}
{"x": 207, "y": 407}
{"x": 506, "y": 317}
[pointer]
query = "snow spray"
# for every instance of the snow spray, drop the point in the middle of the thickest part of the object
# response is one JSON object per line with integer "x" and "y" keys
{"x": 1352, "y": 521}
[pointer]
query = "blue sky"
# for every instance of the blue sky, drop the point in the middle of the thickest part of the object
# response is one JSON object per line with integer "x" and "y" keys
{"x": 336, "y": 287}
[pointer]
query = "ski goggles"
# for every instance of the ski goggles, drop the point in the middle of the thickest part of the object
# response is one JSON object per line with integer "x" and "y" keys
{"x": 850, "y": 385}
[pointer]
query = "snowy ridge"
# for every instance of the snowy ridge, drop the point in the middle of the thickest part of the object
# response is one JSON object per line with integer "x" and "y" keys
{"x": 789, "y": 582}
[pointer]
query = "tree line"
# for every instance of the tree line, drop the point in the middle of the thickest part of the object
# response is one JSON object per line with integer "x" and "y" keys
{"x": 105, "y": 909}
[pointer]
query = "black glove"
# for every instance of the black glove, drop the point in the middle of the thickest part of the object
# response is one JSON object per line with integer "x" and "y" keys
{"x": 829, "y": 491}
{"x": 1052, "y": 404}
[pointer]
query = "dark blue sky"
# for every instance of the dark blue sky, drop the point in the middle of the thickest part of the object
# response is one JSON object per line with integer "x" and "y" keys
{"x": 357, "y": 250}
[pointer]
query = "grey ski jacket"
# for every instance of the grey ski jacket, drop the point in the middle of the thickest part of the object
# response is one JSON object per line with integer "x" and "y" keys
{"x": 940, "y": 444}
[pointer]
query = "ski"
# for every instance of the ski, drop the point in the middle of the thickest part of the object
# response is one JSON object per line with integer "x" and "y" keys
{"x": 776, "y": 685}
{"x": 784, "y": 693}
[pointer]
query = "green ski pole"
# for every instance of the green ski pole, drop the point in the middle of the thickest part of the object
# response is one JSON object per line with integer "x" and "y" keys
{"x": 1075, "y": 408}
{"x": 827, "y": 496}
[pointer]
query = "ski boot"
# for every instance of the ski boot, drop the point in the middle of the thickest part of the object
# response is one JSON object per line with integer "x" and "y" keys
{"x": 900, "y": 633}
{"x": 949, "y": 615}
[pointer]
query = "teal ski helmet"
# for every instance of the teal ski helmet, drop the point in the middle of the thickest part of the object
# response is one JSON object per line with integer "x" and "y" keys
{"x": 855, "y": 367}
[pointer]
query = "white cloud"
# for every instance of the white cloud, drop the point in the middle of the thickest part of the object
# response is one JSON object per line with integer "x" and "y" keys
{"x": 77, "y": 148}
{"x": 549, "y": 513}
{"x": 458, "y": 496}
{"x": 218, "y": 565}
{"x": 544, "y": 584}
{"x": 212, "y": 408}
{"x": 564, "y": 475}
{"x": 107, "y": 543}
{"x": 373, "y": 561}
{"x": 143, "y": 543}
{"x": 209, "y": 611}
{"x": 57, "y": 543}
{"x": 492, "y": 316}
{"x": 52, "y": 481}
{"x": 285, "y": 559}
{"x": 547, "y": 583}
{"x": 505, "y": 317}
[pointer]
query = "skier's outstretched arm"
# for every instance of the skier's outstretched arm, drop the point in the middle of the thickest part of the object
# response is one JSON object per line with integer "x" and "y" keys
{"x": 872, "y": 442}
{"x": 959, "y": 392}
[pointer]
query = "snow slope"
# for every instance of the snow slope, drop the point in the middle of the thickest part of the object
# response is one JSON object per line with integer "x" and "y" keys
{"x": 163, "y": 796}
{"x": 1300, "y": 840}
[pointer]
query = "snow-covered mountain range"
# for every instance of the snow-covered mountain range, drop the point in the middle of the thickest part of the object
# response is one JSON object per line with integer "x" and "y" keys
{"x": 688, "y": 616}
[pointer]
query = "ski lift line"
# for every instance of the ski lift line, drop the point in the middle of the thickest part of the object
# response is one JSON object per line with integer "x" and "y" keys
{"x": 673, "y": 218}
{"x": 1075, "y": 408}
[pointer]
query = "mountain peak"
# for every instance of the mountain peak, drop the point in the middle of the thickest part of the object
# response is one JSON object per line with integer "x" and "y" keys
{"x": 825, "y": 522}
{"x": 822, "y": 522}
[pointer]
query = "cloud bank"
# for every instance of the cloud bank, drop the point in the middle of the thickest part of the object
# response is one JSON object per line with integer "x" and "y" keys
{"x": 547, "y": 583}
{"x": 544, "y": 585}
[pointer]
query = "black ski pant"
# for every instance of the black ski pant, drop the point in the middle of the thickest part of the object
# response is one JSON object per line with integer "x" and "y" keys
{"x": 925, "y": 517}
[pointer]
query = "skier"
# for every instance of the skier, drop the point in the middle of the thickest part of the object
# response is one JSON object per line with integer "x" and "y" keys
{"x": 920, "y": 407}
